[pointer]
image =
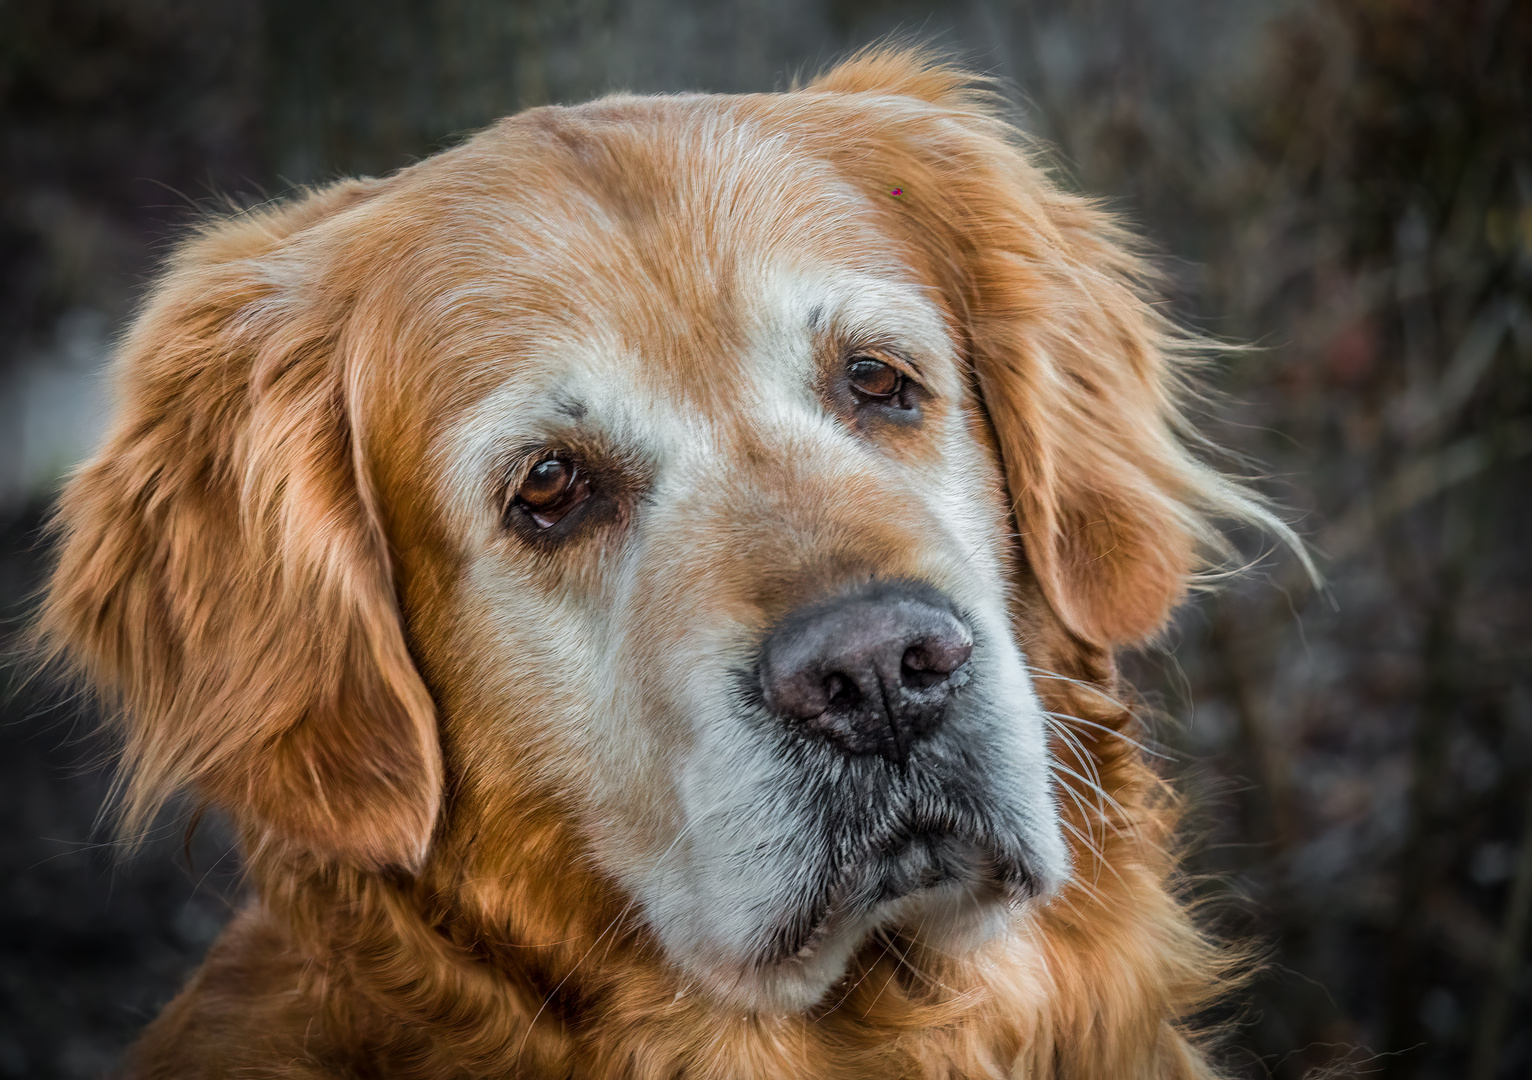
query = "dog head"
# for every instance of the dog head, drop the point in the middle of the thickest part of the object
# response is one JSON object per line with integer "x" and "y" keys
{"x": 687, "y": 483}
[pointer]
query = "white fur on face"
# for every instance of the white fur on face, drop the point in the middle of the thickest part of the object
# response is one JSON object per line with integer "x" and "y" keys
{"x": 753, "y": 851}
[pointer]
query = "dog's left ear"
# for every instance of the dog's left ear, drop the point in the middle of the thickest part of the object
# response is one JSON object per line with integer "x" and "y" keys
{"x": 1076, "y": 370}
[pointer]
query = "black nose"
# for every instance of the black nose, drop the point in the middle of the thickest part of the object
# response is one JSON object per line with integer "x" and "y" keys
{"x": 872, "y": 671}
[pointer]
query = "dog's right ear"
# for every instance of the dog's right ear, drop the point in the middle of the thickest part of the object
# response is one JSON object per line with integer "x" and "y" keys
{"x": 222, "y": 577}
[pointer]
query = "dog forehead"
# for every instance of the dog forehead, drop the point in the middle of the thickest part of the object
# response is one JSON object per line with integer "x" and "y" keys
{"x": 667, "y": 193}
{"x": 664, "y": 272}
{"x": 655, "y": 221}
{"x": 679, "y": 396}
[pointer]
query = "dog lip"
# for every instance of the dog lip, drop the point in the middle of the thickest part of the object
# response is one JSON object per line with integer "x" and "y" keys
{"x": 924, "y": 861}
{"x": 991, "y": 872}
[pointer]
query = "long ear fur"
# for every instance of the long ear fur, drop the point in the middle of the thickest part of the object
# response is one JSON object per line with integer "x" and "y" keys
{"x": 221, "y": 577}
{"x": 1079, "y": 374}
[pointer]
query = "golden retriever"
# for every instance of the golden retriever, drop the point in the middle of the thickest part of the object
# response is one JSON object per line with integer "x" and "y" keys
{"x": 643, "y": 584}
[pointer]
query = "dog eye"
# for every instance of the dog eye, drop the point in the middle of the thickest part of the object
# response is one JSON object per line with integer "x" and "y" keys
{"x": 873, "y": 378}
{"x": 554, "y": 487}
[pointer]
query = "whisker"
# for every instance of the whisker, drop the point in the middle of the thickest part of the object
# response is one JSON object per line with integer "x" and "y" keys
{"x": 609, "y": 926}
{"x": 1085, "y": 838}
{"x": 1101, "y": 861}
{"x": 878, "y": 996}
{"x": 1110, "y": 731}
{"x": 1092, "y": 687}
{"x": 925, "y": 977}
{"x": 1087, "y": 813}
{"x": 569, "y": 974}
{"x": 866, "y": 970}
{"x": 1093, "y": 784}
{"x": 1087, "y": 760}
{"x": 1102, "y": 796}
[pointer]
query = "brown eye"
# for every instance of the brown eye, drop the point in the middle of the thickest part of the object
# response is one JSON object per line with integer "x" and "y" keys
{"x": 873, "y": 378}
{"x": 554, "y": 487}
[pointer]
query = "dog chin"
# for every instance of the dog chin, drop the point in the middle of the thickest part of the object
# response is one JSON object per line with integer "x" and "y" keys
{"x": 939, "y": 893}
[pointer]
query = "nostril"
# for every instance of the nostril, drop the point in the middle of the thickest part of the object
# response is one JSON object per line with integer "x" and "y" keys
{"x": 841, "y": 693}
{"x": 912, "y": 674}
{"x": 929, "y": 663}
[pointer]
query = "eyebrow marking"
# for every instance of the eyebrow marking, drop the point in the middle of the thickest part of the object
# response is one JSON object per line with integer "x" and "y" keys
{"x": 816, "y": 317}
{"x": 571, "y": 408}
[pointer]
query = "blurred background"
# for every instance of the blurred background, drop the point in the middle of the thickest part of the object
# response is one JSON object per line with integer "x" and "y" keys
{"x": 1344, "y": 184}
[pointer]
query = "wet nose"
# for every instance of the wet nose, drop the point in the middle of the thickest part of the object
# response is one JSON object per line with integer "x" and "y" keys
{"x": 873, "y": 671}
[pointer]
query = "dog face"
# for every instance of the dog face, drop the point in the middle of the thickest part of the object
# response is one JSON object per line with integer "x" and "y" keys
{"x": 728, "y": 548}
{"x": 652, "y": 509}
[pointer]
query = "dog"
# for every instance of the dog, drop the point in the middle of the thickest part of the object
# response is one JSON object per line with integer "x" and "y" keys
{"x": 644, "y": 586}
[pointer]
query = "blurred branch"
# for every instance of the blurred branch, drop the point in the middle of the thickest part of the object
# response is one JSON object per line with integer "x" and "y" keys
{"x": 1421, "y": 479}
{"x": 1424, "y": 413}
{"x": 1518, "y": 912}
{"x": 1267, "y": 800}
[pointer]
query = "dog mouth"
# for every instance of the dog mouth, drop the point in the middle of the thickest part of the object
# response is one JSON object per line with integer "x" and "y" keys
{"x": 944, "y": 847}
{"x": 896, "y": 880}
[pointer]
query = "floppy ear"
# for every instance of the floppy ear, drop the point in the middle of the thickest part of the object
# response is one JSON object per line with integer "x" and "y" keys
{"x": 1075, "y": 374}
{"x": 221, "y": 575}
{"x": 1076, "y": 371}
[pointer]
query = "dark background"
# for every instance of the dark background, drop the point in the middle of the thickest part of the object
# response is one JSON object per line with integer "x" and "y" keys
{"x": 1346, "y": 184}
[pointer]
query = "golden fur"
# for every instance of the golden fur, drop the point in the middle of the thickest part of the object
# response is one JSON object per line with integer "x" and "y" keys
{"x": 258, "y": 570}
